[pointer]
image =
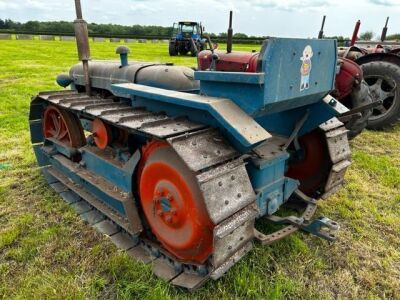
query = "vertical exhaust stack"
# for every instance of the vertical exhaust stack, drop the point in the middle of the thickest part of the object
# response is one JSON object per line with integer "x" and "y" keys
{"x": 230, "y": 35}
{"x": 355, "y": 33}
{"x": 82, "y": 42}
{"x": 321, "y": 32}
{"x": 384, "y": 30}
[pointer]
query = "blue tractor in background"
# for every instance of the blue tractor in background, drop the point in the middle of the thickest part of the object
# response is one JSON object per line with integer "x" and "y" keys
{"x": 187, "y": 37}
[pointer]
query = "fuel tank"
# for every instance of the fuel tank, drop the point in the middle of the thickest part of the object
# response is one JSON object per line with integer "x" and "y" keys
{"x": 229, "y": 62}
{"x": 350, "y": 75}
{"x": 105, "y": 73}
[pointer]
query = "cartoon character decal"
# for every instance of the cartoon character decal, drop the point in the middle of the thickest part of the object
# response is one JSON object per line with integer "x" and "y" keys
{"x": 305, "y": 69}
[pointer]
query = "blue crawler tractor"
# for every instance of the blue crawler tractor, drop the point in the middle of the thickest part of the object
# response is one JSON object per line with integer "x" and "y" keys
{"x": 177, "y": 166}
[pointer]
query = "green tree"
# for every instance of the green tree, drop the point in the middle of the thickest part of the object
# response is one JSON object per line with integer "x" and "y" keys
{"x": 239, "y": 35}
{"x": 367, "y": 35}
{"x": 395, "y": 36}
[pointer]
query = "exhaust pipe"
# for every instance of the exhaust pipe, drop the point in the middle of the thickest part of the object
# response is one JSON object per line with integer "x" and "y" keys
{"x": 321, "y": 32}
{"x": 229, "y": 40}
{"x": 82, "y": 43}
{"x": 384, "y": 30}
{"x": 355, "y": 33}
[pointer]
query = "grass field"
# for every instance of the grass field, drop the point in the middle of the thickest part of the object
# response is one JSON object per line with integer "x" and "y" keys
{"x": 46, "y": 251}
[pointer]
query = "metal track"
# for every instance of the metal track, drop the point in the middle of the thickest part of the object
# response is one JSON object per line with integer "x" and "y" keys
{"x": 221, "y": 175}
{"x": 339, "y": 152}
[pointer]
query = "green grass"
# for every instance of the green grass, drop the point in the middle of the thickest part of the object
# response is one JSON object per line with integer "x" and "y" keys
{"x": 46, "y": 251}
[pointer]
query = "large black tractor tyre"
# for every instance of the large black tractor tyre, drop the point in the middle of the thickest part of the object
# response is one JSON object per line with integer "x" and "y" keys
{"x": 383, "y": 79}
{"x": 359, "y": 97}
{"x": 172, "y": 49}
{"x": 182, "y": 48}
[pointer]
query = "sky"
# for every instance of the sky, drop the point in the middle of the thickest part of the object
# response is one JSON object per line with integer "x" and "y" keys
{"x": 284, "y": 18}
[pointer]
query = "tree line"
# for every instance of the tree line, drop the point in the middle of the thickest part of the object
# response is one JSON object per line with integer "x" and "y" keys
{"x": 64, "y": 27}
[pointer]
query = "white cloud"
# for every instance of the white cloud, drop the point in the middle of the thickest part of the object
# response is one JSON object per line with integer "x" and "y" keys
{"x": 4, "y": 5}
{"x": 385, "y": 2}
{"x": 291, "y": 5}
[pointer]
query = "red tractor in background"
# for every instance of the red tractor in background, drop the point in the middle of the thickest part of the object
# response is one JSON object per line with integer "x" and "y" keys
{"x": 351, "y": 89}
{"x": 380, "y": 63}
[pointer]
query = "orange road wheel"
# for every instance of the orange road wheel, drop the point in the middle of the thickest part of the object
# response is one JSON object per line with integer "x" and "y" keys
{"x": 101, "y": 134}
{"x": 173, "y": 204}
{"x": 63, "y": 126}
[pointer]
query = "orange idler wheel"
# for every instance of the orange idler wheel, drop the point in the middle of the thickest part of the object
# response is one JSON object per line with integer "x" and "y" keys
{"x": 63, "y": 126}
{"x": 173, "y": 204}
{"x": 101, "y": 134}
